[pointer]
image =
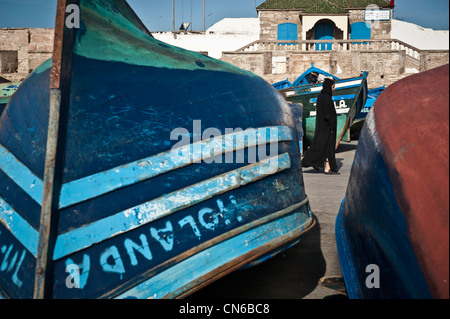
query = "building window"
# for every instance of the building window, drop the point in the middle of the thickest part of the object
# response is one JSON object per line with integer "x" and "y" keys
{"x": 360, "y": 31}
{"x": 9, "y": 61}
{"x": 287, "y": 31}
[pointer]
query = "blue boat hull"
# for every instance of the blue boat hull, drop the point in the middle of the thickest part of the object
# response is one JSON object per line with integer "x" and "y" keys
{"x": 166, "y": 160}
{"x": 392, "y": 227}
{"x": 305, "y": 78}
{"x": 349, "y": 97}
{"x": 371, "y": 230}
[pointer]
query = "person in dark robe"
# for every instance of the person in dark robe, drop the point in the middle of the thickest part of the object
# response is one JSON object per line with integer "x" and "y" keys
{"x": 322, "y": 148}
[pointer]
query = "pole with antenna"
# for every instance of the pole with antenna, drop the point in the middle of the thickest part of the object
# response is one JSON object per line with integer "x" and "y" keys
{"x": 173, "y": 15}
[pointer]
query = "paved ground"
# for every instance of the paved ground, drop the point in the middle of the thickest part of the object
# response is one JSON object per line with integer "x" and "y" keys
{"x": 295, "y": 273}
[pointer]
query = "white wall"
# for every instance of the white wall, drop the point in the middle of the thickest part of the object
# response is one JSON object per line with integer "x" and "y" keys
{"x": 231, "y": 34}
{"x": 421, "y": 38}
{"x": 228, "y": 34}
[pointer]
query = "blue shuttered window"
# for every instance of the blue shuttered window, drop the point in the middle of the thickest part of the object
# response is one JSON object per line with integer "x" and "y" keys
{"x": 360, "y": 31}
{"x": 287, "y": 31}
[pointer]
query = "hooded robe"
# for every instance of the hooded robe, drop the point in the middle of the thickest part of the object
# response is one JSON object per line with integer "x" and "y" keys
{"x": 324, "y": 141}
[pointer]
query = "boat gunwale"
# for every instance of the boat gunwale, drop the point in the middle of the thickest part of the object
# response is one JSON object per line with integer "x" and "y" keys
{"x": 144, "y": 276}
{"x": 253, "y": 255}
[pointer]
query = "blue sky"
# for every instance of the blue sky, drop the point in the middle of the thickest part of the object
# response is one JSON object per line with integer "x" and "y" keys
{"x": 157, "y": 14}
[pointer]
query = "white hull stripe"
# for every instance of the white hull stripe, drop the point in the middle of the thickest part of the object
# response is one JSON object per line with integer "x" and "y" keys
{"x": 21, "y": 175}
{"x": 134, "y": 217}
{"x": 338, "y": 111}
{"x": 19, "y": 227}
{"x": 336, "y": 98}
{"x": 137, "y": 216}
{"x": 339, "y": 85}
{"x": 107, "y": 181}
{"x": 101, "y": 183}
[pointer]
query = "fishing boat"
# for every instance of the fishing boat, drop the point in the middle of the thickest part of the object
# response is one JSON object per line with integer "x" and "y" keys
{"x": 349, "y": 98}
{"x": 130, "y": 168}
{"x": 6, "y": 91}
{"x": 310, "y": 76}
{"x": 358, "y": 123}
{"x": 392, "y": 230}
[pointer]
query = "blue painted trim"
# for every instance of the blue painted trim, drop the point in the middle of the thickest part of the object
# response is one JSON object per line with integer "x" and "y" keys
{"x": 361, "y": 31}
{"x": 182, "y": 277}
{"x": 287, "y": 31}
{"x": 337, "y": 98}
{"x": 131, "y": 173}
{"x": 348, "y": 269}
{"x": 300, "y": 79}
{"x": 21, "y": 175}
{"x": 19, "y": 227}
{"x": 98, "y": 184}
{"x": 137, "y": 216}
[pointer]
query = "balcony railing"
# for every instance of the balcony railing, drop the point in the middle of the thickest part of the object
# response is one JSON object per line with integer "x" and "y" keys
{"x": 332, "y": 45}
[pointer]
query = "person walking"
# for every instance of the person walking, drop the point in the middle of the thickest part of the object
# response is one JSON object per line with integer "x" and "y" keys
{"x": 323, "y": 146}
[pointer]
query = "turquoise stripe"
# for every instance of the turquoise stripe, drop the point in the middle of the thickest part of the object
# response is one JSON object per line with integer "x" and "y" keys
{"x": 137, "y": 216}
{"x": 101, "y": 183}
{"x": 21, "y": 175}
{"x": 131, "y": 173}
{"x": 19, "y": 227}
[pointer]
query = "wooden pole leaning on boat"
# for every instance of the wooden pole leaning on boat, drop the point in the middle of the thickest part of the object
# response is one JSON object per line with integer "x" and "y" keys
{"x": 59, "y": 89}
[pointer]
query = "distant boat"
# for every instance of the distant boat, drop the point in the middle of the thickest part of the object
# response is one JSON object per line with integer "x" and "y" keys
{"x": 141, "y": 170}
{"x": 310, "y": 76}
{"x": 6, "y": 91}
{"x": 372, "y": 96}
{"x": 349, "y": 98}
{"x": 392, "y": 230}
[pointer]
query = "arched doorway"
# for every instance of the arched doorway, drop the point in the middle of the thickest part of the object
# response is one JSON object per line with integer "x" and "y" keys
{"x": 324, "y": 30}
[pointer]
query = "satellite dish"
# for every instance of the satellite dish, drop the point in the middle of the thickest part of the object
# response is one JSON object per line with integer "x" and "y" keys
{"x": 184, "y": 26}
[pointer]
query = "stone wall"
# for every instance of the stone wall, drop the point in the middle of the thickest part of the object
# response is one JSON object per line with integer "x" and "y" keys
{"x": 31, "y": 46}
{"x": 9, "y": 61}
{"x": 384, "y": 67}
{"x": 380, "y": 30}
{"x": 431, "y": 59}
{"x": 40, "y": 47}
{"x": 259, "y": 63}
{"x": 269, "y": 21}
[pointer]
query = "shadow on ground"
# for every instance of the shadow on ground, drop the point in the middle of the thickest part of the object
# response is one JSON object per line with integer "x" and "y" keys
{"x": 346, "y": 147}
{"x": 292, "y": 274}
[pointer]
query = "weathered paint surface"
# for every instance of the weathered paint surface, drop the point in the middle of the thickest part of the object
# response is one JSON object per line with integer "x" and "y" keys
{"x": 171, "y": 280}
{"x": 161, "y": 207}
{"x": 349, "y": 98}
{"x": 395, "y": 212}
{"x": 128, "y": 174}
{"x": 7, "y": 90}
{"x": 129, "y": 209}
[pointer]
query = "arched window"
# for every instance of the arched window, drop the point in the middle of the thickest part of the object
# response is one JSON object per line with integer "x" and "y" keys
{"x": 287, "y": 31}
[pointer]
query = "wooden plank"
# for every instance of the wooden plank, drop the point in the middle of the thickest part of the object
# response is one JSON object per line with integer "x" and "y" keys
{"x": 59, "y": 94}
